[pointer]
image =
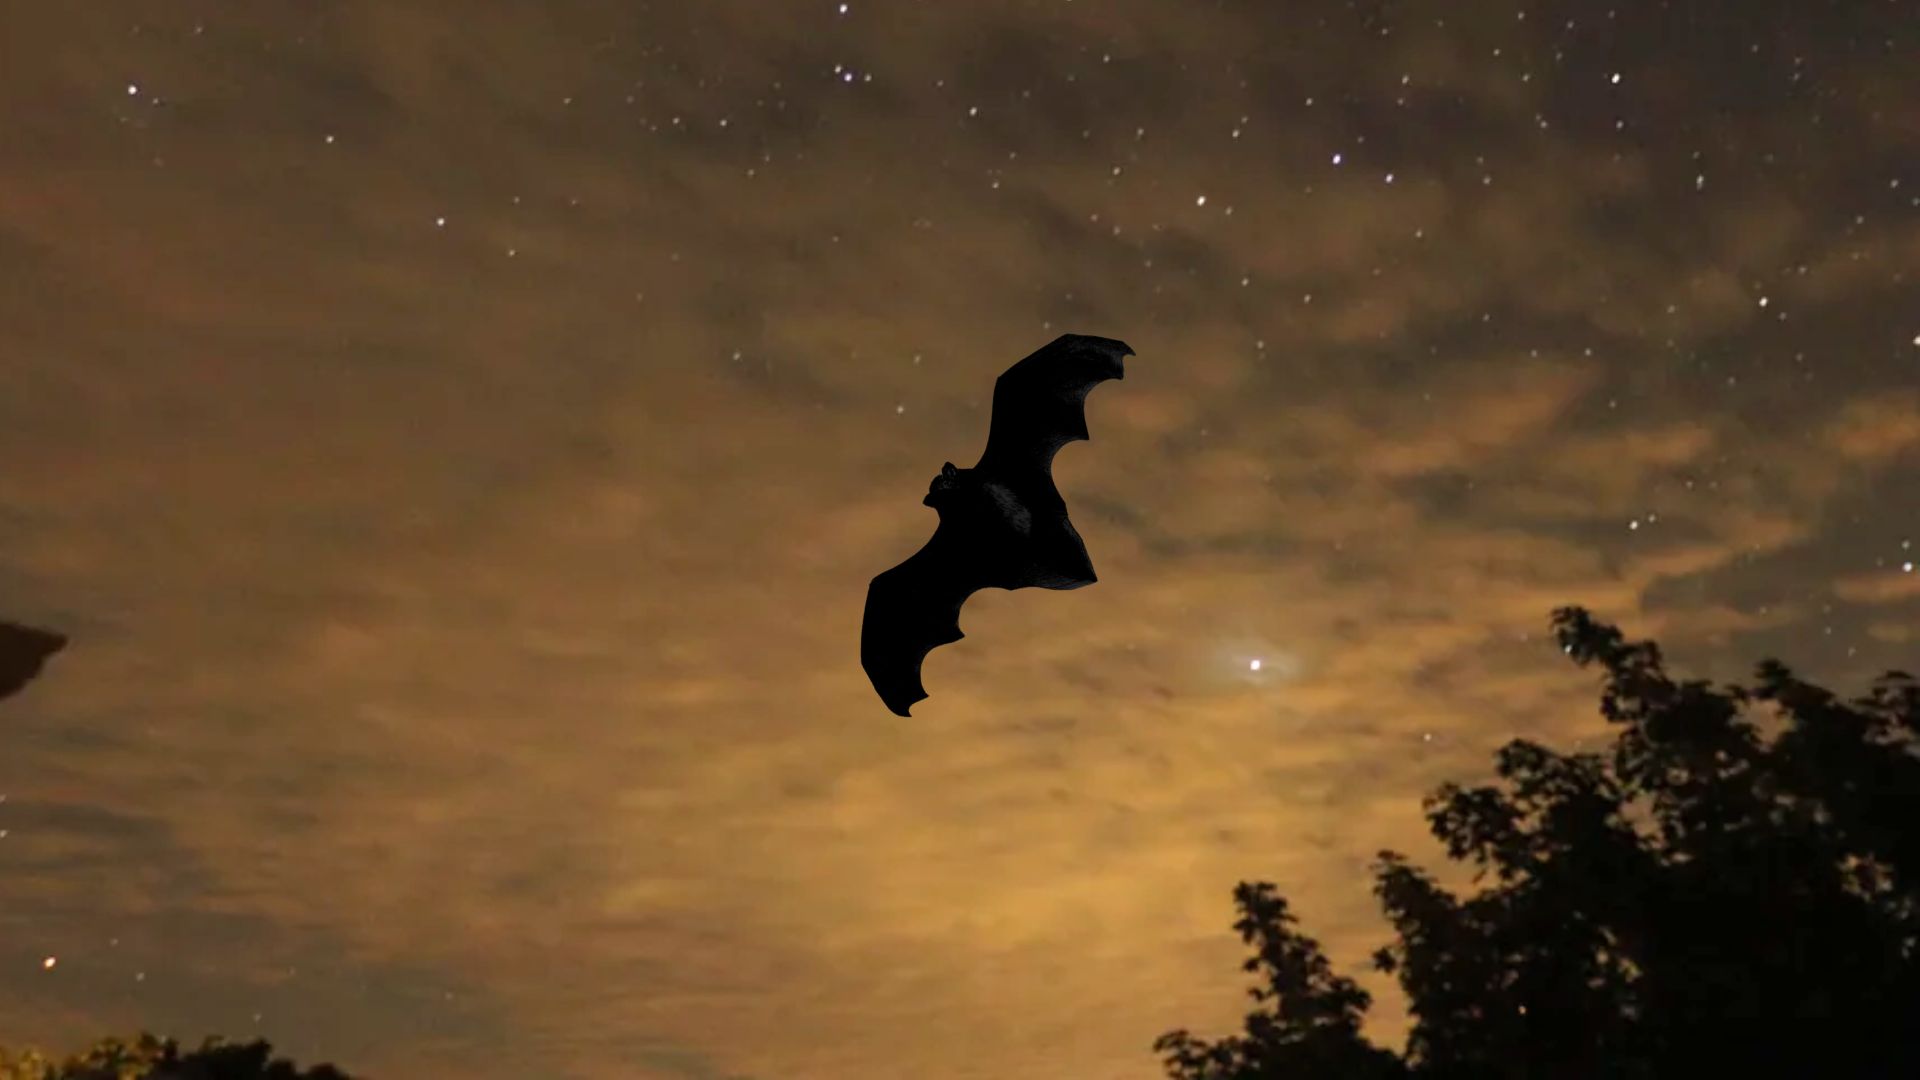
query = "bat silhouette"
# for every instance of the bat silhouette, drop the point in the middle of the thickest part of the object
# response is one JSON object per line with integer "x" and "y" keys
{"x": 1003, "y": 524}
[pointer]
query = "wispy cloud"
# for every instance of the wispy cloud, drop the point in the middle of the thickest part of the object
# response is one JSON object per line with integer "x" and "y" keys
{"x": 471, "y": 609}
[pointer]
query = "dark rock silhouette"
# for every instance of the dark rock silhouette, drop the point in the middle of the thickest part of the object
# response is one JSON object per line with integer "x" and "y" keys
{"x": 1003, "y": 523}
{"x": 1705, "y": 899}
{"x": 23, "y": 651}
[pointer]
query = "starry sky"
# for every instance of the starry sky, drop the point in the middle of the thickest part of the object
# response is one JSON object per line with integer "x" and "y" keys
{"x": 457, "y": 437}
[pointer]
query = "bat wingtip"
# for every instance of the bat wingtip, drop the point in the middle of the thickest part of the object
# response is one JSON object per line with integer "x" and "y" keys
{"x": 1082, "y": 341}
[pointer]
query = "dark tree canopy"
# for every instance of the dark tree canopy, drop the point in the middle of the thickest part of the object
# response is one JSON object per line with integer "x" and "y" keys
{"x": 150, "y": 1057}
{"x": 1733, "y": 889}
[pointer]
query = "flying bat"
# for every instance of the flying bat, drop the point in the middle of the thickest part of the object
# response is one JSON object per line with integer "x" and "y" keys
{"x": 1003, "y": 524}
{"x": 23, "y": 650}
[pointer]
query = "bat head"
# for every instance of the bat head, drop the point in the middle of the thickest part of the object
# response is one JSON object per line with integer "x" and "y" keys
{"x": 945, "y": 486}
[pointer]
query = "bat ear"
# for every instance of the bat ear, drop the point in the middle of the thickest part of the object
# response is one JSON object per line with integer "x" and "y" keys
{"x": 947, "y": 470}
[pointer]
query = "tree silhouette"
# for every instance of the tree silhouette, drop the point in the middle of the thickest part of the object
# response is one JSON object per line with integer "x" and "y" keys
{"x": 150, "y": 1057}
{"x": 1722, "y": 894}
{"x": 1311, "y": 1022}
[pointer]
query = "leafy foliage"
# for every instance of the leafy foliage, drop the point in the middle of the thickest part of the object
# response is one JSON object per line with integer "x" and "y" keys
{"x": 1310, "y": 1025}
{"x": 1705, "y": 899}
{"x": 149, "y": 1057}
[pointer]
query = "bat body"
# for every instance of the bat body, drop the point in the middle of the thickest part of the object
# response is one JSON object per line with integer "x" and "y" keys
{"x": 1003, "y": 524}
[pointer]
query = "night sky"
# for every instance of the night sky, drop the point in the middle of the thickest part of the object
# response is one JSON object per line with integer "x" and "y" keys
{"x": 457, "y": 436}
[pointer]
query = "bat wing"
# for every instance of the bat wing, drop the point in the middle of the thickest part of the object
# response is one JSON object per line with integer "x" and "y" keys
{"x": 1040, "y": 405}
{"x": 22, "y": 652}
{"x": 1016, "y": 536}
{"x": 913, "y": 609}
